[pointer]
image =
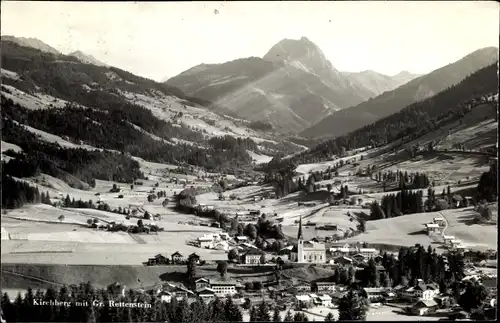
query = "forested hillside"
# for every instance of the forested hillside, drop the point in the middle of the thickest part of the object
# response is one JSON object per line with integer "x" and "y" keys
{"x": 98, "y": 115}
{"x": 413, "y": 121}
{"x": 342, "y": 122}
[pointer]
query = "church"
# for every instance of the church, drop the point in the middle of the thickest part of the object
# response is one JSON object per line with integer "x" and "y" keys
{"x": 308, "y": 251}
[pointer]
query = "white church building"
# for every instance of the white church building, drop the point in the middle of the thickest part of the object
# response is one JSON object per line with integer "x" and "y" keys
{"x": 308, "y": 251}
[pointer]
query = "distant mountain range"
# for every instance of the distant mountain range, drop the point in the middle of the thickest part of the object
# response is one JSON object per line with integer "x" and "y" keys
{"x": 86, "y": 58}
{"x": 32, "y": 42}
{"x": 379, "y": 83}
{"x": 40, "y": 45}
{"x": 344, "y": 121}
{"x": 293, "y": 86}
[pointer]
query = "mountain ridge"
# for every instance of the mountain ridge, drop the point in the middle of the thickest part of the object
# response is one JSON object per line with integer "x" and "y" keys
{"x": 422, "y": 87}
{"x": 277, "y": 88}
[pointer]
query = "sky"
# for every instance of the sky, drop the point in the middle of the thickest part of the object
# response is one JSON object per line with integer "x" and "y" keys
{"x": 161, "y": 39}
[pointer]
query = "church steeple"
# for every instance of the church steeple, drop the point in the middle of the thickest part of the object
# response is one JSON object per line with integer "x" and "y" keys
{"x": 299, "y": 234}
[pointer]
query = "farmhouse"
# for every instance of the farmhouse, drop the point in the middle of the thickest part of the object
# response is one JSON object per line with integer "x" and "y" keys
{"x": 432, "y": 227}
{"x": 424, "y": 306}
{"x": 165, "y": 296}
{"x": 343, "y": 251}
{"x": 303, "y": 301}
{"x": 421, "y": 291}
{"x": 368, "y": 252}
{"x": 240, "y": 239}
{"x": 440, "y": 221}
{"x": 325, "y": 287}
{"x": 177, "y": 257}
{"x": 343, "y": 260}
{"x": 205, "y": 242}
{"x": 252, "y": 256}
{"x": 159, "y": 259}
{"x": 448, "y": 239}
{"x": 207, "y": 294}
{"x": 376, "y": 293}
{"x": 323, "y": 300}
{"x": 202, "y": 283}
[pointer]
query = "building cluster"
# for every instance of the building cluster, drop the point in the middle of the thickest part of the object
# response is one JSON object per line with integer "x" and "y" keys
{"x": 175, "y": 259}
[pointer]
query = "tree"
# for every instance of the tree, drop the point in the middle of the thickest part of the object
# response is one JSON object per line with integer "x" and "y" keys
{"x": 61, "y": 218}
{"x": 89, "y": 222}
{"x": 263, "y": 314}
{"x": 276, "y": 315}
{"x": 329, "y": 187}
{"x": 300, "y": 317}
{"x": 232, "y": 312}
{"x": 352, "y": 307}
{"x": 288, "y": 317}
{"x": 473, "y": 296}
{"x": 232, "y": 255}
{"x": 191, "y": 270}
{"x": 329, "y": 317}
{"x": 361, "y": 225}
{"x": 140, "y": 224}
{"x": 222, "y": 268}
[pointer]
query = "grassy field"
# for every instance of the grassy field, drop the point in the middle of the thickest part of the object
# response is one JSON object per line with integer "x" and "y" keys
{"x": 408, "y": 230}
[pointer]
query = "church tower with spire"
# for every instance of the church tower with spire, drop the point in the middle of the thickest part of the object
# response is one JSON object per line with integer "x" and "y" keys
{"x": 299, "y": 234}
{"x": 300, "y": 242}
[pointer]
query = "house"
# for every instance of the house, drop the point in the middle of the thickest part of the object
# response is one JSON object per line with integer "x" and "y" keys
{"x": 159, "y": 259}
{"x": 177, "y": 257}
{"x": 421, "y": 291}
{"x": 342, "y": 251}
{"x": 303, "y": 288}
{"x": 252, "y": 256}
{"x": 368, "y": 252}
{"x": 207, "y": 294}
{"x": 358, "y": 257}
{"x": 224, "y": 236}
{"x": 205, "y": 242}
{"x": 432, "y": 227}
{"x": 447, "y": 239}
{"x": 165, "y": 296}
{"x": 343, "y": 260}
{"x": 378, "y": 259}
{"x": 323, "y": 300}
{"x": 337, "y": 296}
{"x": 202, "y": 283}
{"x": 326, "y": 287}
{"x": 455, "y": 243}
{"x": 241, "y": 239}
{"x": 424, "y": 306}
{"x": 440, "y": 221}
{"x": 303, "y": 301}
{"x": 223, "y": 288}
{"x": 376, "y": 293}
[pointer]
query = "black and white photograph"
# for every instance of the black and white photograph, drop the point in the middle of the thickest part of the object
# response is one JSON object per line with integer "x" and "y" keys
{"x": 248, "y": 161}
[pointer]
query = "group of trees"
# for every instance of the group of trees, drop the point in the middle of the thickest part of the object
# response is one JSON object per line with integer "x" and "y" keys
{"x": 44, "y": 157}
{"x": 392, "y": 205}
{"x": 411, "y": 122}
{"x": 487, "y": 188}
{"x": 15, "y": 193}
{"x": 25, "y": 310}
{"x": 404, "y": 180}
{"x": 414, "y": 263}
